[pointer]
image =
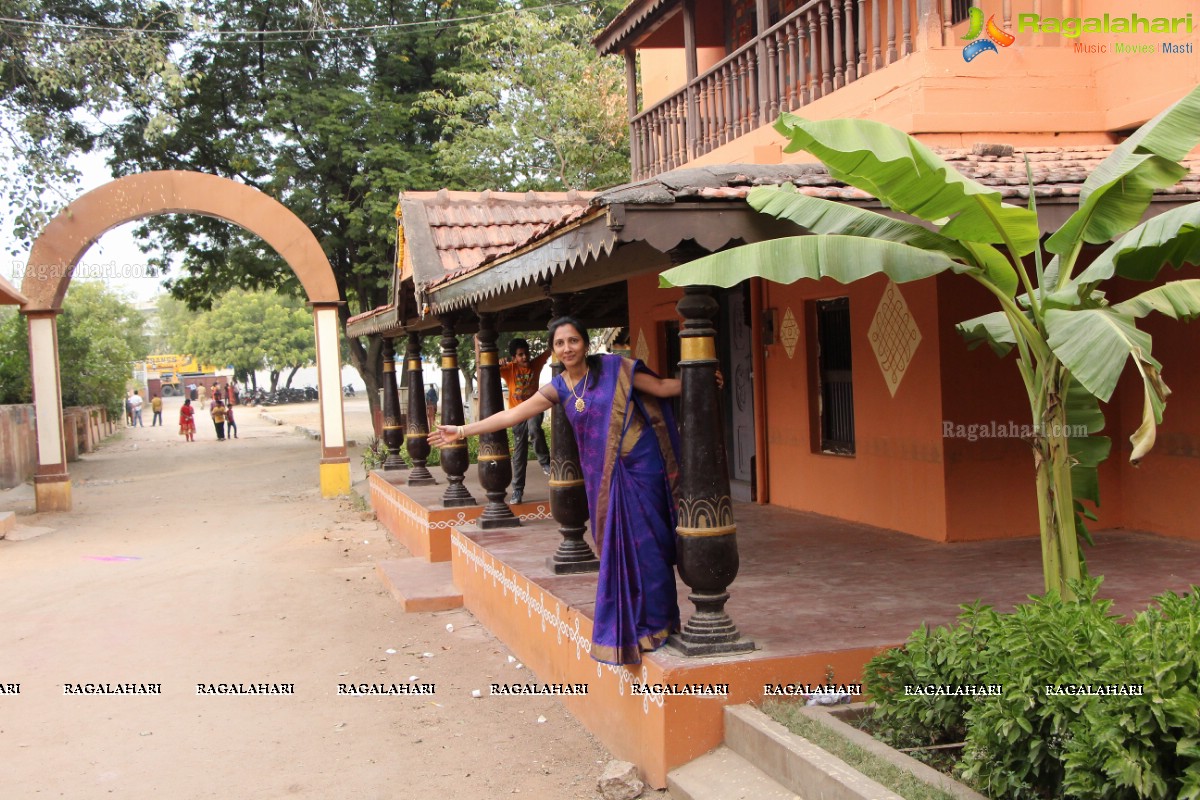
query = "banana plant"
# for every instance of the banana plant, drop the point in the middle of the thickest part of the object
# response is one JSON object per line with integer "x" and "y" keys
{"x": 1071, "y": 344}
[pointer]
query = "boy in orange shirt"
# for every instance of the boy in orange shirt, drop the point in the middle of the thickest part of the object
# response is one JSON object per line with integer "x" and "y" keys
{"x": 521, "y": 376}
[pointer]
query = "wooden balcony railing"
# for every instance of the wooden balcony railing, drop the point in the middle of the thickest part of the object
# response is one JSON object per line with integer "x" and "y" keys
{"x": 821, "y": 47}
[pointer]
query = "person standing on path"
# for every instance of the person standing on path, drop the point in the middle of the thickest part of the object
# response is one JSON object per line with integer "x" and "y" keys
{"x": 128, "y": 410}
{"x": 628, "y": 447}
{"x": 521, "y": 376}
{"x": 187, "y": 420}
{"x": 431, "y": 401}
{"x": 135, "y": 407}
{"x": 156, "y": 407}
{"x": 230, "y": 425}
{"x": 218, "y": 417}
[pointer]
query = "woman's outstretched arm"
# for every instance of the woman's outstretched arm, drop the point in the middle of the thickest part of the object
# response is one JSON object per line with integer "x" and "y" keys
{"x": 646, "y": 383}
{"x": 446, "y": 434}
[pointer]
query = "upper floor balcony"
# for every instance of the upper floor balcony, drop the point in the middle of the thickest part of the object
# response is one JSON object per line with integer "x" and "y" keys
{"x": 706, "y": 78}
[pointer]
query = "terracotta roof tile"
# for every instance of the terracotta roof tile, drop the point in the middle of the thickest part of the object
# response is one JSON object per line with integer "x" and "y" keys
{"x": 468, "y": 228}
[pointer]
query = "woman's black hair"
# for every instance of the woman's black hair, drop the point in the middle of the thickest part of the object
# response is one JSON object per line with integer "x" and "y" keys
{"x": 593, "y": 361}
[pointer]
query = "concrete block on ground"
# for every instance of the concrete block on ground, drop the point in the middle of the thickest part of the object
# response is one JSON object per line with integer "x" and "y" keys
{"x": 8, "y": 521}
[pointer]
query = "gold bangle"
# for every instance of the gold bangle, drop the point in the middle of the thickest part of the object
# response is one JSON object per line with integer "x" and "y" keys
{"x": 462, "y": 431}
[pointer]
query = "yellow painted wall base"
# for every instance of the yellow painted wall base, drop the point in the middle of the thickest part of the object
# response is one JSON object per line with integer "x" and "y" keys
{"x": 52, "y": 495}
{"x": 335, "y": 478}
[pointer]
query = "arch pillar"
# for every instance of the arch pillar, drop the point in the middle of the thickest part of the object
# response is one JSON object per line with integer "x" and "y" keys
{"x": 335, "y": 463}
{"x": 51, "y": 483}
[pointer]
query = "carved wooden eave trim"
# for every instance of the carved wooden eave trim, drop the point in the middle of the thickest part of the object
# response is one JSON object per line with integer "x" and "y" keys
{"x": 639, "y": 19}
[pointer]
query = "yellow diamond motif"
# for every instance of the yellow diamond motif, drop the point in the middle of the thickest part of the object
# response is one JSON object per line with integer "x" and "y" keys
{"x": 789, "y": 332}
{"x": 894, "y": 336}
{"x": 642, "y": 350}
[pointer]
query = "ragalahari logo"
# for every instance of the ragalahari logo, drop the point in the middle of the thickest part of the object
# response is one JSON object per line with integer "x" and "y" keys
{"x": 995, "y": 36}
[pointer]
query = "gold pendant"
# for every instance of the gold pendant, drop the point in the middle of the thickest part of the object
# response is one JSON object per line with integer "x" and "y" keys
{"x": 579, "y": 404}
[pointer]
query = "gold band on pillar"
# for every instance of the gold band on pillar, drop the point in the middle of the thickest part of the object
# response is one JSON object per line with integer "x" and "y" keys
{"x": 488, "y": 359}
{"x": 389, "y": 366}
{"x": 721, "y": 531}
{"x": 449, "y": 362}
{"x": 413, "y": 364}
{"x": 697, "y": 348}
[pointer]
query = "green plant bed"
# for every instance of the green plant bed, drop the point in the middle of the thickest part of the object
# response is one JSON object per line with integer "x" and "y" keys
{"x": 1055, "y": 699}
{"x": 791, "y": 715}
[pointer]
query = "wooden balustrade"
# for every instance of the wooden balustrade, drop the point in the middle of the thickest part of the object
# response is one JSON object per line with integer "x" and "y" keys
{"x": 823, "y": 46}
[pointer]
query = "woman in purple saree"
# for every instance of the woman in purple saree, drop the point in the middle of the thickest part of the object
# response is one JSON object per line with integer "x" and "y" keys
{"x": 627, "y": 450}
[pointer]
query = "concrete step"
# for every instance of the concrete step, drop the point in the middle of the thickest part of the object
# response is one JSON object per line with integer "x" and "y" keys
{"x": 794, "y": 762}
{"x": 724, "y": 775}
{"x": 418, "y": 585}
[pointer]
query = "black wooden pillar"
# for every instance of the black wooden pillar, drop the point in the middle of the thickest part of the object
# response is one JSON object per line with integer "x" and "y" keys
{"x": 706, "y": 536}
{"x": 495, "y": 462}
{"x": 393, "y": 430}
{"x": 416, "y": 438}
{"x": 453, "y": 457}
{"x": 568, "y": 497}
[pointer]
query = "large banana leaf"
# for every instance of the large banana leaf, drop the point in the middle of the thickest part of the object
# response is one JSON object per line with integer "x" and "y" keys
{"x": 1170, "y": 238}
{"x": 825, "y": 216}
{"x": 909, "y": 177}
{"x": 842, "y": 258}
{"x": 1115, "y": 207}
{"x": 1117, "y": 193}
{"x": 1178, "y": 300}
{"x": 993, "y": 328}
{"x": 1094, "y": 344}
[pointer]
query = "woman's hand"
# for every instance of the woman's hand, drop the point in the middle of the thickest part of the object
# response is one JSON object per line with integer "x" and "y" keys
{"x": 720, "y": 380}
{"x": 445, "y": 434}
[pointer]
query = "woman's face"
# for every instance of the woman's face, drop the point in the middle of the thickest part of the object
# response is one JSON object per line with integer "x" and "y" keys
{"x": 570, "y": 348}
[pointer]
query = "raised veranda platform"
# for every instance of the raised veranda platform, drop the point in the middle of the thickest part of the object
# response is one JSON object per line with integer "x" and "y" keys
{"x": 813, "y": 593}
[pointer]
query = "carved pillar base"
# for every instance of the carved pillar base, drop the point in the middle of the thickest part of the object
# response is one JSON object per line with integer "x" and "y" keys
{"x": 574, "y": 555}
{"x": 421, "y": 476}
{"x": 709, "y": 631}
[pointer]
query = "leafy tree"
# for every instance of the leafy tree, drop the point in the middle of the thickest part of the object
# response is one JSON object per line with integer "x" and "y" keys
{"x": 532, "y": 107}
{"x": 62, "y": 65}
{"x": 174, "y": 321}
{"x": 100, "y": 335}
{"x": 317, "y": 109}
{"x": 254, "y": 330}
{"x": 1071, "y": 342}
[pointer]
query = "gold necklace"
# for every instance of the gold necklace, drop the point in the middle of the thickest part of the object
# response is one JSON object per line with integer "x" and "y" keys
{"x": 579, "y": 404}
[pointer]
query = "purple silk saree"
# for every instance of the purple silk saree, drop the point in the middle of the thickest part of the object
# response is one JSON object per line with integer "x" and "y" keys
{"x": 627, "y": 451}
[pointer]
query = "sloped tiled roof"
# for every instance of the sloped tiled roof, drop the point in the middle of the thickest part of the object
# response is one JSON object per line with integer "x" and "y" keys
{"x": 1057, "y": 172}
{"x": 464, "y": 229}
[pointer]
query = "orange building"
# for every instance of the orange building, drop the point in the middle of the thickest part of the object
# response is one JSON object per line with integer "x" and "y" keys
{"x": 858, "y": 402}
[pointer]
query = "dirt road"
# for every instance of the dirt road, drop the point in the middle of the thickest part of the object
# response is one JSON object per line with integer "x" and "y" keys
{"x": 218, "y": 563}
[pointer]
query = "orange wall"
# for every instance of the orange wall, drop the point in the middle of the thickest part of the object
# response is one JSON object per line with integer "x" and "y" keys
{"x": 1160, "y": 495}
{"x": 895, "y": 478}
{"x": 649, "y": 307}
{"x": 990, "y": 487}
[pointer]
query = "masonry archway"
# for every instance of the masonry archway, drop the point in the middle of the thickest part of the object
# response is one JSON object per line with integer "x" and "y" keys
{"x": 69, "y": 235}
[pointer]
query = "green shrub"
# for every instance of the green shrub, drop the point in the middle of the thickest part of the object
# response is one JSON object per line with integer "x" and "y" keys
{"x": 1029, "y": 740}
